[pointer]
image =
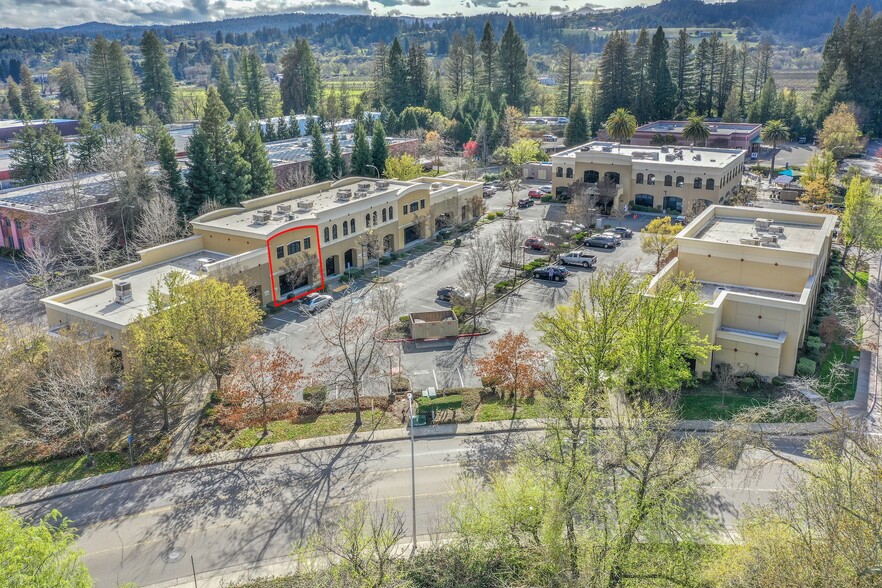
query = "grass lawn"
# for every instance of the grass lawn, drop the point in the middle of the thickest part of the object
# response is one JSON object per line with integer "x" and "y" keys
{"x": 839, "y": 353}
{"x": 862, "y": 279}
{"x": 321, "y": 426}
{"x": 495, "y": 409}
{"x": 56, "y": 471}
{"x": 708, "y": 407}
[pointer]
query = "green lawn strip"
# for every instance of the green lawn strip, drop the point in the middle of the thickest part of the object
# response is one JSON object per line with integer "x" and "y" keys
{"x": 36, "y": 475}
{"x": 494, "y": 409}
{"x": 862, "y": 279}
{"x": 309, "y": 427}
{"x": 451, "y": 402}
{"x": 838, "y": 353}
{"x": 700, "y": 407}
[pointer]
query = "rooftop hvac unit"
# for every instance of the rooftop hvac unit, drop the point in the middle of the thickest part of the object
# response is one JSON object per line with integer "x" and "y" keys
{"x": 750, "y": 241}
{"x": 122, "y": 292}
{"x": 261, "y": 217}
{"x": 205, "y": 260}
{"x": 364, "y": 186}
{"x": 305, "y": 204}
{"x": 283, "y": 208}
{"x": 607, "y": 149}
{"x": 696, "y": 157}
{"x": 344, "y": 194}
{"x": 361, "y": 194}
{"x": 436, "y": 186}
{"x": 670, "y": 157}
{"x": 382, "y": 185}
{"x": 664, "y": 149}
{"x": 277, "y": 218}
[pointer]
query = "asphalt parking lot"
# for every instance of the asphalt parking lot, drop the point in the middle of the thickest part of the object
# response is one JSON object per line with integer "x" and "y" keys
{"x": 450, "y": 363}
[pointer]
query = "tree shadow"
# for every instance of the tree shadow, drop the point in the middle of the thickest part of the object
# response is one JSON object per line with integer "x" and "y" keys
{"x": 486, "y": 455}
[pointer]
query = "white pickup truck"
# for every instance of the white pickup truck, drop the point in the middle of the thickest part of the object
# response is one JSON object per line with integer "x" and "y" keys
{"x": 580, "y": 257}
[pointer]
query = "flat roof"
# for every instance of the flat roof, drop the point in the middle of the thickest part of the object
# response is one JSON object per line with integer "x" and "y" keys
{"x": 300, "y": 148}
{"x": 716, "y": 128}
{"x": 57, "y": 196}
{"x": 710, "y": 290}
{"x": 103, "y": 304}
{"x": 15, "y": 124}
{"x": 668, "y": 156}
{"x": 793, "y": 236}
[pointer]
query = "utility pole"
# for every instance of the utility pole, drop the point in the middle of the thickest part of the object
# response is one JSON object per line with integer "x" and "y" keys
{"x": 412, "y": 471}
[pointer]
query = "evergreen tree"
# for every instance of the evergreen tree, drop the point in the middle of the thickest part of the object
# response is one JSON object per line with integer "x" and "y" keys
{"x": 615, "y": 76}
{"x": 394, "y": 90}
{"x": 488, "y": 59}
{"x": 662, "y": 93}
{"x": 337, "y": 163}
{"x": 593, "y": 107}
{"x": 417, "y": 76}
{"x": 682, "y": 69}
{"x": 512, "y": 65}
{"x": 226, "y": 89}
{"x": 567, "y": 70}
{"x": 766, "y": 107}
{"x": 157, "y": 79}
{"x": 283, "y": 131}
{"x": 163, "y": 146}
{"x": 33, "y": 106}
{"x": 642, "y": 102}
{"x": 181, "y": 60}
{"x": 379, "y": 75}
{"x": 89, "y": 143}
{"x": 361, "y": 152}
{"x": 435, "y": 97}
{"x": 577, "y": 130}
{"x": 255, "y": 87}
{"x": 263, "y": 179}
{"x": 13, "y": 98}
{"x": 37, "y": 155}
{"x": 409, "y": 121}
{"x": 732, "y": 110}
{"x": 714, "y": 71}
{"x": 455, "y": 68}
{"x": 473, "y": 62}
{"x": 71, "y": 85}
{"x": 111, "y": 82}
{"x": 321, "y": 168}
{"x": 301, "y": 79}
{"x": 379, "y": 148}
{"x": 217, "y": 169}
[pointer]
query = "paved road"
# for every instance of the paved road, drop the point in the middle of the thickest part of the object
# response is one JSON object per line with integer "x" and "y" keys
{"x": 253, "y": 512}
{"x": 9, "y": 275}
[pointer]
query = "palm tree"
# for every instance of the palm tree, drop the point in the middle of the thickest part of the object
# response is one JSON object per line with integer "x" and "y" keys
{"x": 621, "y": 125}
{"x": 774, "y": 132}
{"x": 696, "y": 130}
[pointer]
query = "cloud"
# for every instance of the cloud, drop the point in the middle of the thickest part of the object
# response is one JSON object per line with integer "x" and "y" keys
{"x": 554, "y": 8}
{"x": 418, "y": 2}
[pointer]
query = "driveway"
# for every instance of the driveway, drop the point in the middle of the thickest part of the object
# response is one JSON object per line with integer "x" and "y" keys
{"x": 8, "y": 273}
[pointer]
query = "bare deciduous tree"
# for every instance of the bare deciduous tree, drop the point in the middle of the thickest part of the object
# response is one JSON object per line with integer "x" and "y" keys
{"x": 388, "y": 302}
{"x": 480, "y": 273}
{"x": 209, "y": 205}
{"x": 582, "y": 207}
{"x": 41, "y": 269}
{"x": 295, "y": 177}
{"x": 353, "y": 352}
{"x": 510, "y": 241}
{"x": 75, "y": 390}
{"x": 158, "y": 222}
{"x": 90, "y": 241}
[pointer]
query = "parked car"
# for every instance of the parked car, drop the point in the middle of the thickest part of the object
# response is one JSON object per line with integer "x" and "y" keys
{"x": 574, "y": 227}
{"x": 600, "y": 241}
{"x": 315, "y": 302}
{"x": 579, "y": 257}
{"x": 525, "y": 203}
{"x": 535, "y": 193}
{"x": 546, "y": 189}
{"x": 448, "y": 293}
{"x": 538, "y": 244}
{"x": 555, "y": 273}
{"x": 612, "y": 235}
{"x": 489, "y": 190}
{"x": 624, "y": 232}
{"x": 548, "y": 137}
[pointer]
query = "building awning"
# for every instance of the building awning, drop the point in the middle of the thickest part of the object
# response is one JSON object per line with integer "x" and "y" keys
{"x": 783, "y": 180}
{"x": 756, "y": 140}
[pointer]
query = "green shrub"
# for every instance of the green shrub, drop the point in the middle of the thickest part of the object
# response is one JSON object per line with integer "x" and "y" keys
{"x": 707, "y": 376}
{"x": 502, "y": 286}
{"x": 607, "y": 226}
{"x": 457, "y": 242}
{"x": 536, "y": 263}
{"x": 546, "y": 198}
{"x": 459, "y": 310}
{"x": 639, "y": 208}
{"x": 315, "y": 394}
{"x": 393, "y": 256}
{"x": 813, "y": 345}
{"x": 747, "y": 384}
{"x": 404, "y": 318}
{"x": 778, "y": 381}
{"x": 579, "y": 238}
{"x": 452, "y": 402}
{"x": 806, "y": 367}
{"x": 400, "y": 383}
{"x": 385, "y": 260}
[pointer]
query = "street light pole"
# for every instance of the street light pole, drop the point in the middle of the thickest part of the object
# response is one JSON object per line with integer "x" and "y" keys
{"x": 412, "y": 470}
{"x": 376, "y": 169}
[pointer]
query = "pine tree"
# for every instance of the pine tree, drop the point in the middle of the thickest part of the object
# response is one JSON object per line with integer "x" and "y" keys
{"x": 473, "y": 62}
{"x": 417, "y": 76}
{"x": 89, "y": 143}
{"x": 255, "y": 88}
{"x": 71, "y": 85}
{"x": 13, "y": 98}
{"x": 577, "y": 130}
{"x": 263, "y": 179}
{"x": 33, "y": 106}
{"x": 615, "y": 76}
{"x": 337, "y": 163}
{"x": 379, "y": 75}
{"x": 226, "y": 89}
{"x": 111, "y": 82}
{"x": 682, "y": 69}
{"x": 283, "y": 131}
{"x": 435, "y": 97}
{"x": 321, "y": 168}
{"x": 488, "y": 59}
{"x": 409, "y": 121}
{"x": 157, "y": 79}
{"x": 512, "y": 65}
{"x": 662, "y": 92}
{"x": 301, "y": 79}
{"x": 217, "y": 169}
{"x": 642, "y": 102}
{"x": 361, "y": 152}
{"x": 164, "y": 147}
{"x": 766, "y": 107}
{"x": 37, "y": 155}
{"x": 592, "y": 107}
{"x": 395, "y": 88}
{"x": 732, "y": 110}
{"x": 567, "y": 70}
{"x": 181, "y": 60}
{"x": 379, "y": 148}
{"x": 455, "y": 67}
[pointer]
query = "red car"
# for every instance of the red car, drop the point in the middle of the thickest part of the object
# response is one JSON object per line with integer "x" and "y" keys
{"x": 537, "y": 244}
{"x": 535, "y": 194}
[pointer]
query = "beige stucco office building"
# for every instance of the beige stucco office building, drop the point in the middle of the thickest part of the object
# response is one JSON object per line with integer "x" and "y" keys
{"x": 665, "y": 178}
{"x": 304, "y": 235}
{"x": 760, "y": 272}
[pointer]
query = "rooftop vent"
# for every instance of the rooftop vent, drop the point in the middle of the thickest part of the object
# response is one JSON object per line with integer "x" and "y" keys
{"x": 277, "y": 218}
{"x": 344, "y": 194}
{"x": 361, "y": 194}
{"x": 664, "y": 149}
{"x": 283, "y": 208}
{"x": 436, "y": 186}
{"x": 305, "y": 204}
{"x": 382, "y": 185}
{"x": 364, "y": 186}
{"x": 607, "y": 149}
{"x": 122, "y": 292}
{"x": 696, "y": 157}
{"x": 261, "y": 217}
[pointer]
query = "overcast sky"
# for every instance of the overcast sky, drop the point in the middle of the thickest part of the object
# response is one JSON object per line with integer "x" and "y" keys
{"x": 57, "y": 13}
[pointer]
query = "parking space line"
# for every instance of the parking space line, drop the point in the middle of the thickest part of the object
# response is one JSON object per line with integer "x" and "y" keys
{"x": 435, "y": 378}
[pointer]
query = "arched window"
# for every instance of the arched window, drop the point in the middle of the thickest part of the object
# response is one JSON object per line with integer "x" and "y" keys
{"x": 613, "y": 177}
{"x": 384, "y": 215}
{"x": 367, "y": 220}
{"x": 327, "y": 234}
{"x": 390, "y": 213}
{"x": 650, "y": 179}
{"x": 375, "y": 217}
{"x": 345, "y": 228}
{"x": 334, "y": 231}
{"x": 669, "y": 180}
{"x": 639, "y": 178}
{"x": 697, "y": 184}
{"x": 569, "y": 172}
{"x": 681, "y": 181}
{"x": 352, "y": 226}
{"x": 709, "y": 185}
{"x": 560, "y": 172}
{"x": 592, "y": 176}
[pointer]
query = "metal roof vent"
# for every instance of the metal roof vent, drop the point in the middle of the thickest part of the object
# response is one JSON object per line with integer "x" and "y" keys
{"x": 122, "y": 292}
{"x": 305, "y": 204}
{"x": 283, "y": 208}
{"x": 436, "y": 186}
{"x": 364, "y": 186}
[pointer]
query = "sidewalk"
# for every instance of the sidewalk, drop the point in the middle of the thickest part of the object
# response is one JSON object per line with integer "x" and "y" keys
{"x": 191, "y": 462}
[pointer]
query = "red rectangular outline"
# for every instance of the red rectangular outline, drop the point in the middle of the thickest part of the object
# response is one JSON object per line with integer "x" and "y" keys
{"x": 269, "y": 256}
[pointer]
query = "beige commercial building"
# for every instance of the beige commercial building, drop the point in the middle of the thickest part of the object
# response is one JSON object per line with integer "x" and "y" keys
{"x": 760, "y": 272}
{"x": 673, "y": 179}
{"x": 280, "y": 246}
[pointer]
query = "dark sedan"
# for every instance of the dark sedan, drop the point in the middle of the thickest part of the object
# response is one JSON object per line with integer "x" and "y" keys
{"x": 552, "y": 272}
{"x": 525, "y": 203}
